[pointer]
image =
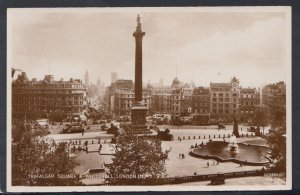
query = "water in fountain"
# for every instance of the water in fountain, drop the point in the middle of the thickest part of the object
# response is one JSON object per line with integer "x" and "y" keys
{"x": 233, "y": 146}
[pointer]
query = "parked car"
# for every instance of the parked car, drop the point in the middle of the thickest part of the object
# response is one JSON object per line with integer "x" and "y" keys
{"x": 165, "y": 135}
{"x": 220, "y": 126}
{"x": 73, "y": 128}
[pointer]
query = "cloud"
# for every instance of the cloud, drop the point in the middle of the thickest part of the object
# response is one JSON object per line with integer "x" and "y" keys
{"x": 201, "y": 44}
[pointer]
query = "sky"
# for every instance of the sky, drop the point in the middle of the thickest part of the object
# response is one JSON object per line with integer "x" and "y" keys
{"x": 195, "y": 44}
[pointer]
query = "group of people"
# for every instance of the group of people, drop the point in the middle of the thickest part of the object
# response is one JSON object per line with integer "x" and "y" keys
{"x": 181, "y": 155}
{"x": 213, "y": 163}
{"x": 200, "y": 145}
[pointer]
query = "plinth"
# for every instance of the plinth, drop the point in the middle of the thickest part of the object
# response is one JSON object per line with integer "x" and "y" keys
{"x": 138, "y": 119}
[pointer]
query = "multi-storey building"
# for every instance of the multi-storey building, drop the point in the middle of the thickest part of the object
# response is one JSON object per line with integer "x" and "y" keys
{"x": 125, "y": 85}
{"x": 249, "y": 103}
{"x": 274, "y": 96}
{"x": 221, "y": 102}
{"x": 47, "y": 98}
{"x": 201, "y": 101}
{"x": 224, "y": 100}
{"x": 123, "y": 100}
{"x": 120, "y": 97}
{"x": 161, "y": 103}
{"x": 187, "y": 96}
{"x": 176, "y": 98}
{"x": 176, "y": 102}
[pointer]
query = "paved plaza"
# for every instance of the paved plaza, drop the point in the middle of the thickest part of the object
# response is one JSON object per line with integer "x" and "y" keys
{"x": 175, "y": 166}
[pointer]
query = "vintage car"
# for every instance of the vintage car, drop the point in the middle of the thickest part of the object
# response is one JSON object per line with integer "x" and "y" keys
{"x": 73, "y": 128}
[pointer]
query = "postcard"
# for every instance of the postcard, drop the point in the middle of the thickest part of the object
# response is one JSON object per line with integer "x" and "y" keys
{"x": 149, "y": 99}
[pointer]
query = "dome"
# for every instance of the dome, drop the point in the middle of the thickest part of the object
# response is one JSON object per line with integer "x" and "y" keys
{"x": 175, "y": 82}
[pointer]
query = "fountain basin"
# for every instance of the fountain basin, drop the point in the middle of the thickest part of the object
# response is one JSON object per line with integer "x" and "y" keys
{"x": 245, "y": 154}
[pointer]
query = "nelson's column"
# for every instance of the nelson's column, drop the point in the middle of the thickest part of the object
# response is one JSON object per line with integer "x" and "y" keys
{"x": 138, "y": 109}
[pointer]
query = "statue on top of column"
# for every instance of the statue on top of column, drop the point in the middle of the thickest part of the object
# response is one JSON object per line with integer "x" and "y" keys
{"x": 138, "y": 19}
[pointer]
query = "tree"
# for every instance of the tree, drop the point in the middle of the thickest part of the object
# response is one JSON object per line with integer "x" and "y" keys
{"x": 235, "y": 128}
{"x": 277, "y": 140}
{"x": 277, "y": 144}
{"x": 260, "y": 119}
{"x": 257, "y": 131}
{"x": 138, "y": 161}
{"x": 35, "y": 162}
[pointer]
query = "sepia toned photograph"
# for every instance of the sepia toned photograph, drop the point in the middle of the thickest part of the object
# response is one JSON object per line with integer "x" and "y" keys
{"x": 149, "y": 99}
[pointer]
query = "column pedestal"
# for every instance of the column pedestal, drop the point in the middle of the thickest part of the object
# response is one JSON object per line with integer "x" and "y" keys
{"x": 138, "y": 119}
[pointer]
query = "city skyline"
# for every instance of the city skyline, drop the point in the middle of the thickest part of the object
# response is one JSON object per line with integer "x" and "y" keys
{"x": 182, "y": 44}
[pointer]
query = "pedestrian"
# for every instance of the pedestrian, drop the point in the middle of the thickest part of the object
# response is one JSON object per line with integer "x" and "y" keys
{"x": 195, "y": 173}
{"x": 179, "y": 155}
{"x": 182, "y": 155}
{"x": 207, "y": 163}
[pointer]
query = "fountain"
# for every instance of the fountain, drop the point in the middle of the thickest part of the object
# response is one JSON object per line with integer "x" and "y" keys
{"x": 233, "y": 152}
{"x": 233, "y": 146}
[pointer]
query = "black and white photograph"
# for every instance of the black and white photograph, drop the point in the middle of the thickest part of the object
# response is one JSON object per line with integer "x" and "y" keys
{"x": 143, "y": 99}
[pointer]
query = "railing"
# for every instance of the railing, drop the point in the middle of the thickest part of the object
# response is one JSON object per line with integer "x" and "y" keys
{"x": 194, "y": 178}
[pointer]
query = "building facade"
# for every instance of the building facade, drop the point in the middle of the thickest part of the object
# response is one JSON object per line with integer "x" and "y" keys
{"x": 201, "y": 100}
{"x": 274, "y": 97}
{"x": 124, "y": 99}
{"x": 120, "y": 97}
{"x": 224, "y": 100}
{"x": 47, "y": 97}
{"x": 249, "y": 104}
{"x": 221, "y": 102}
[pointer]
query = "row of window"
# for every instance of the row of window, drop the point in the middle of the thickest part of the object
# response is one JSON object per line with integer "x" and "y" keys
{"x": 53, "y": 98}
{"x": 225, "y": 105}
{"x": 45, "y": 110}
{"x": 74, "y": 86}
{"x": 223, "y": 100}
{"x": 220, "y": 111}
{"x": 41, "y": 103}
{"x": 220, "y": 89}
{"x": 46, "y": 91}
